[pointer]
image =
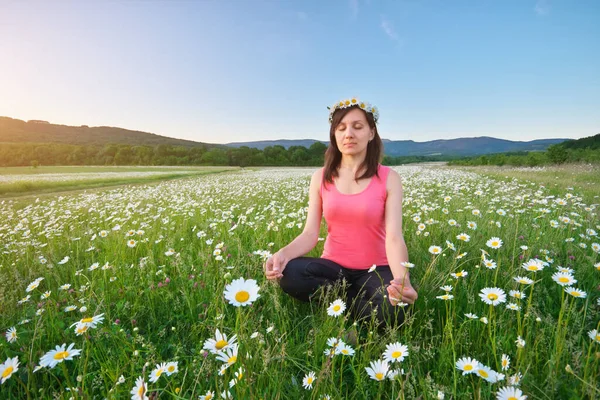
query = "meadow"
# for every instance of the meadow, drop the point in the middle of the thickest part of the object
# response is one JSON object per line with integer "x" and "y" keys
{"x": 158, "y": 291}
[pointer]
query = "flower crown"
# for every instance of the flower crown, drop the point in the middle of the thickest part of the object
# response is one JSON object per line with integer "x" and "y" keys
{"x": 353, "y": 101}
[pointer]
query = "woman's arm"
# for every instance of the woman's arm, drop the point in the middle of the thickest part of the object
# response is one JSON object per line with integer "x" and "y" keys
{"x": 395, "y": 247}
{"x": 308, "y": 239}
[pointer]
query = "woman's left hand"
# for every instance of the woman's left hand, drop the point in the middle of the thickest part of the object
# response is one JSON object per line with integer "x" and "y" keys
{"x": 400, "y": 290}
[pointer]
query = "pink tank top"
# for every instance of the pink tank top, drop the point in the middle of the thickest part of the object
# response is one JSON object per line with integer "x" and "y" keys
{"x": 356, "y": 223}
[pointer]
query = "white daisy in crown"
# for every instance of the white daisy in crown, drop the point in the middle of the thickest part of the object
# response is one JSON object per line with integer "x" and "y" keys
{"x": 354, "y": 101}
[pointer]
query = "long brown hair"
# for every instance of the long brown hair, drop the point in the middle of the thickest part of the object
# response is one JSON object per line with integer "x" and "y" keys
{"x": 333, "y": 155}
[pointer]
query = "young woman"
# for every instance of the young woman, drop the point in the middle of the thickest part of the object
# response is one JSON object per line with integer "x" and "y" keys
{"x": 361, "y": 201}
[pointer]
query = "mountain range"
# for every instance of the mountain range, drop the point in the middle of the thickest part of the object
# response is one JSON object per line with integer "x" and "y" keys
{"x": 36, "y": 131}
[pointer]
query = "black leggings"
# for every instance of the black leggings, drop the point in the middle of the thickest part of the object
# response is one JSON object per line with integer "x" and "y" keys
{"x": 303, "y": 276}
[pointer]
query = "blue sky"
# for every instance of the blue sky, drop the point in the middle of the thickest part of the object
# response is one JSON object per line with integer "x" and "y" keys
{"x": 224, "y": 71}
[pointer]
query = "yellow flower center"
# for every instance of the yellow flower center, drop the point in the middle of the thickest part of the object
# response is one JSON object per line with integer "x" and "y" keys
{"x": 141, "y": 391}
{"x": 492, "y": 296}
{"x": 512, "y": 398}
{"x": 494, "y": 244}
{"x": 563, "y": 279}
{"x": 7, "y": 372}
{"x": 336, "y": 308}
{"x": 309, "y": 380}
{"x": 171, "y": 368}
{"x": 504, "y": 363}
{"x": 242, "y": 296}
{"x": 87, "y": 320}
{"x": 232, "y": 360}
{"x": 208, "y": 397}
{"x": 345, "y": 351}
{"x": 575, "y": 294}
{"x": 482, "y": 373}
{"x": 396, "y": 354}
{"x": 82, "y": 329}
{"x": 468, "y": 367}
{"x": 220, "y": 344}
{"x": 61, "y": 355}
{"x": 159, "y": 372}
{"x": 598, "y": 337}
{"x": 379, "y": 376}
{"x": 459, "y": 274}
{"x": 533, "y": 268}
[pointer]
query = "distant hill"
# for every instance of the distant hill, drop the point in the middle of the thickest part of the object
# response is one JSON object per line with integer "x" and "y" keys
{"x": 590, "y": 142}
{"x": 454, "y": 147}
{"x": 36, "y": 131}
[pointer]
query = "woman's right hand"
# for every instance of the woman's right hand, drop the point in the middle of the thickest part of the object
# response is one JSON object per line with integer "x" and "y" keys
{"x": 275, "y": 265}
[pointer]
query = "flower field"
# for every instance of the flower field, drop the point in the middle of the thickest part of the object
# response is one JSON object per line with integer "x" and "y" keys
{"x": 159, "y": 292}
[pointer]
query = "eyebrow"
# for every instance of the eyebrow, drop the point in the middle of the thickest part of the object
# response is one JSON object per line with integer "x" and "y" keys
{"x": 358, "y": 120}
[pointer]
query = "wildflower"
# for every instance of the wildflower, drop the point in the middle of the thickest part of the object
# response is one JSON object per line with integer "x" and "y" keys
{"x": 533, "y": 265}
{"x": 520, "y": 342}
{"x": 523, "y": 280}
{"x": 169, "y": 252}
{"x": 378, "y": 370}
{"x": 172, "y": 368}
{"x": 33, "y": 285}
{"x": 238, "y": 376}
{"x": 345, "y": 349}
{"x": 505, "y": 362}
{"x": 489, "y": 264}
{"x": 467, "y": 365}
{"x": 219, "y": 343}
{"x": 471, "y": 316}
{"x": 510, "y": 393}
{"x": 464, "y": 237}
{"x": 11, "y": 335}
{"x": 70, "y": 308}
{"x": 435, "y": 250}
{"x": 9, "y": 367}
{"x": 513, "y": 306}
{"x": 308, "y": 380}
{"x": 515, "y": 379}
{"x": 494, "y": 243}
{"x": 139, "y": 390}
{"x": 493, "y": 296}
{"x": 58, "y": 355}
{"x": 336, "y": 308}
{"x": 576, "y": 292}
{"x": 472, "y": 225}
{"x": 460, "y": 274}
{"x": 131, "y": 243}
{"x": 157, "y": 372}
{"x": 241, "y": 292}
{"x": 90, "y": 322}
{"x": 80, "y": 328}
{"x": 66, "y": 286}
{"x": 208, "y": 396}
{"x": 229, "y": 355}
{"x": 395, "y": 352}
{"x": 64, "y": 260}
{"x": 372, "y": 268}
{"x": 445, "y": 297}
{"x": 563, "y": 279}
{"x": 407, "y": 264}
{"x": 594, "y": 335}
{"x": 446, "y": 288}
{"x": 517, "y": 294}
{"x": 484, "y": 320}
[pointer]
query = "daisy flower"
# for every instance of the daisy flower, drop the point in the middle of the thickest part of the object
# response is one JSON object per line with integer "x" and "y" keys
{"x": 446, "y": 288}
{"x": 485, "y": 372}
{"x": 378, "y": 370}
{"x": 395, "y": 352}
{"x": 533, "y": 265}
{"x": 33, "y": 285}
{"x": 435, "y": 250}
{"x": 219, "y": 343}
{"x": 131, "y": 243}
{"x": 594, "y": 335}
{"x": 345, "y": 349}
{"x": 523, "y": 280}
{"x": 505, "y": 362}
{"x": 494, "y": 243}
{"x": 445, "y": 297}
{"x": 11, "y": 335}
{"x": 460, "y": 274}
{"x": 564, "y": 279}
{"x": 172, "y": 368}
{"x": 80, "y": 328}
{"x": 229, "y": 355}
{"x": 241, "y": 292}
{"x": 513, "y": 306}
{"x": 336, "y": 308}
{"x": 464, "y": 237}
{"x": 510, "y": 393}
{"x": 58, "y": 355}
{"x": 471, "y": 316}
{"x": 489, "y": 264}
{"x": 208, "y": 396}
{"x": 91, "y": 321}
{"x": 157, "y": 372}
{"x": 308, "y": 380}
{"x": 576, "y": 292}
{"x": 139, "y": 390}
{"x": 472, "y": 225}
{"x": 467, "y": 365}
{"x": 517, "y": 294}
{"x": 520, "y": 342}
{"x": 373, "y": 267}
{"x": 493, "y": 296}
{"x": 515, "y": 379}
{"x": 9, "y": 367}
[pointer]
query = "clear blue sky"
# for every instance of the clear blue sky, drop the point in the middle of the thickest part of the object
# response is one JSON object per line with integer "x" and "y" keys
{"x": 223, "y": 71}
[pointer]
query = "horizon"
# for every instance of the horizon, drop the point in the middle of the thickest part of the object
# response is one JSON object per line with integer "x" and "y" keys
{"x": 260, "y": 71}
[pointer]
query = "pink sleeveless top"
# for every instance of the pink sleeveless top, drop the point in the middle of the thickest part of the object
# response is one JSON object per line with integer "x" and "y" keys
{"x": 356, "y": 223}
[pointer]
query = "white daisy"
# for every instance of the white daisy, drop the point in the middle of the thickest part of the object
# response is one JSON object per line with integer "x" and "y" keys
{"x": 229, "y": 355}
{"x": 510, "y": 393}
{"x": 460, "y": 274}
{"x": 467, "y": 365}
{"x": 576, "y": 292}
{"x": 493, "y": 296}
{"x": 464, "y": 237}
{"x": 505, "y": 362}
{"x": 435, "y": 250}
{"x": 11, "y": 335}
{"x": 308, "y": 380}
{"x": 494, "y": 243}
{"x": 378, "y": 370}
{"x": 9, "y": 367}
{"x": 139, "y": 390}
{"x": 157, "y": 372}
{"x": 395, "y": 352}
{"x": 564, "y": 279}
{"x": 533, "y": 265}
{"x": 219, "y": 343}
{"x": 58, "y": 355}
{"x": 241, "y": 292}
{"x": 336, "y": 308}
{"x": 594, "y": 335}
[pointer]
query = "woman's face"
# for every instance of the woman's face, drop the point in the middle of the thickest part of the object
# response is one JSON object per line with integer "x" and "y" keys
{"x": 353, "y": 133}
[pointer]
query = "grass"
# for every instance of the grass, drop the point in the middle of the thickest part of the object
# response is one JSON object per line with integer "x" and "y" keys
{"x": 162, "y": 296}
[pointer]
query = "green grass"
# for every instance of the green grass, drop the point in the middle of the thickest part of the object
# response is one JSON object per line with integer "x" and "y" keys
{"x": 161, "y": 306}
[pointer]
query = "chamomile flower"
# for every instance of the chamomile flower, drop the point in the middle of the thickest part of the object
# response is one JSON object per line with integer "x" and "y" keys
{"x": 131, "y": 243}
{"x": 139, "y": 390}
{"x": 489, "y": 264}
{"x": 378, "y": 370}
{"x": 505, "y": 362}
{"x": 9, "y": 367}
{"x": 520, "y": 342}
{"x": 395, "y": 352}
{"x": 81, "y": 328}
{"x": 460, "y": 274}
{"x": 510, "y": 393}
{"x": 308, "y": 380}
{"x": 564, "y": 279}
{"x": 533, "y": 265}
{"x": 513, "y": 306}
{"x": 208, "y": 396}
{"x": 493, "y": 296}
{"x": 241, "y": 292}
{"x": 594, "y": 335}
{"x": 11, "y": 335}
{"x": 471, "y": 225}
{"x": 58, "y": 355}
{"x": 435, "y": 250}
{"x": 446, "y": 296}
{"x": 485, "y": 372}
{"x": 157, "y": 372}
{"x": 523, "y": 280}
{"x": 91, "y": 322}
{"x": 464, "y": 237}
{"x": 576, "y": 292}
{"x": 467, "y": 365}
{"x": 336, "y": 308}
{"x": 345, "y": 349}
{"x": 494, "y": 243}
{"x": 471, "y": 316}
{"x": 219, "y": 343}
{"x": 33, "y": 285}
{"x": 446, "y": 288}
{"x": 517, "y": 294}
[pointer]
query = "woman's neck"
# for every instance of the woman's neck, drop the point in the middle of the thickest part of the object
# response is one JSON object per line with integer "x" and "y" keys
{"x": 351, "y": 163}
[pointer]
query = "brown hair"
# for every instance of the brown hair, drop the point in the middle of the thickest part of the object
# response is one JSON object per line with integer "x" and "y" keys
{"x": 333, "y": 155}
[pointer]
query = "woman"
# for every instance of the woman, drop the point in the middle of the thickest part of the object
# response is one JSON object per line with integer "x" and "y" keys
{"x": 361, "y": 201}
